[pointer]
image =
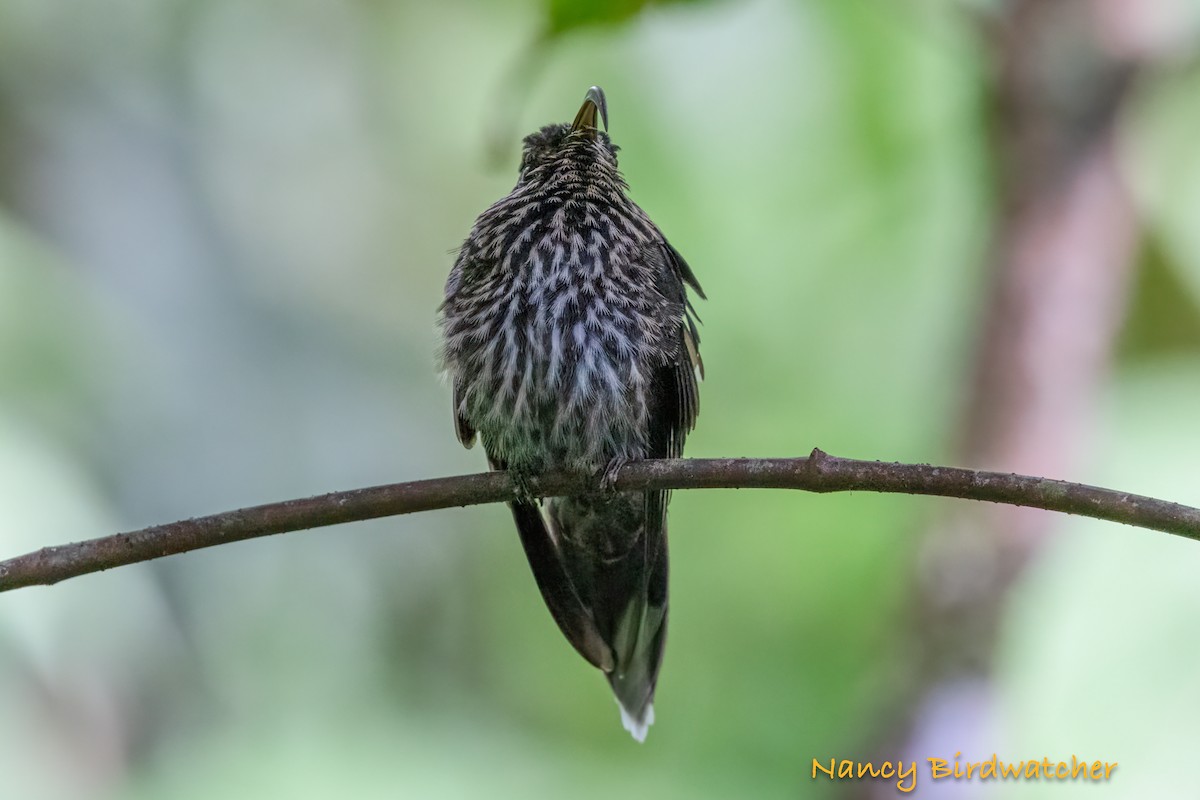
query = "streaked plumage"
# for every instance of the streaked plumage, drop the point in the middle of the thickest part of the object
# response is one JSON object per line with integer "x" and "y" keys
{"x": 569, "y": 342}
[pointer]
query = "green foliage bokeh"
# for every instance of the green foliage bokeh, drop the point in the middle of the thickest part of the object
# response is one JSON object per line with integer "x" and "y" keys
{"x": 223, "y": 232}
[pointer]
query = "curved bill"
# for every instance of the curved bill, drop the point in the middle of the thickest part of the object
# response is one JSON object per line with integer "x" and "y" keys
{"x": 593, "y": 104}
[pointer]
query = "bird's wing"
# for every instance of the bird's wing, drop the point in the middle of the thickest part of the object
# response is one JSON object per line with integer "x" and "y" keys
{"x": 465, "y": 430}
{"x": 679, "y": 388}
{"x": 451, "y": 318}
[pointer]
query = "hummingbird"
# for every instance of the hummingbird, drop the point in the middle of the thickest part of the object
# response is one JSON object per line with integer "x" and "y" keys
{"x": 571, "y": 343}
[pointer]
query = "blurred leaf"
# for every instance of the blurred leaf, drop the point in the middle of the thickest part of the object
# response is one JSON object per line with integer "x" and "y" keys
{"x": 1164, "y": 316}
{"x": 567, "y": 15}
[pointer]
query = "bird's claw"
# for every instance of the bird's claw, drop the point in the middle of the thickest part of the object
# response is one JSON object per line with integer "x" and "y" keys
{"x": 523, "y": 487}
{"x": 608, "y": 476}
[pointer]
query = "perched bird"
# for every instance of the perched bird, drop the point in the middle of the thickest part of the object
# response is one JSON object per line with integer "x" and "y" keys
{"x": 570, "y": 343}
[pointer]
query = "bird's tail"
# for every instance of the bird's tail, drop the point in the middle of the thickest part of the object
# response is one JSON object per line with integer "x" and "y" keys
{"x": 614, "y": 549}
{"x": 636, "y": 672}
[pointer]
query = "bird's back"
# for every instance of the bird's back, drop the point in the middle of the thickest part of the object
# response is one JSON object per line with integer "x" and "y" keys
{"x": 569, "y": 343}
{"x": 556, "y": 328}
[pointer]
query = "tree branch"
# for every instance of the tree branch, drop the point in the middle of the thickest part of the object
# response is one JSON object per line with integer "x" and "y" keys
{"x": 818, "y": 472}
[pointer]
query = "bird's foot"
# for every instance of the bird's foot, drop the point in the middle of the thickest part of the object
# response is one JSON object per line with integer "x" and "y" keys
{"x": 608, "y": 476}
{"x": 522, "y": 482}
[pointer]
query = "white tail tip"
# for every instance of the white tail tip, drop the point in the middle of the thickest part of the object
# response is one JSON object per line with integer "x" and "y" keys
{"x": 637, "y": 727}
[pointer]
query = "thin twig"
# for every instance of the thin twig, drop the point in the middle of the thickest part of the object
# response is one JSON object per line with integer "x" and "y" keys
{"x": 818, "y": 472}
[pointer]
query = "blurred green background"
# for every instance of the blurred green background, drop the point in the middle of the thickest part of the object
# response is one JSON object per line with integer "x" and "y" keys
{"x": 224, "y": 229}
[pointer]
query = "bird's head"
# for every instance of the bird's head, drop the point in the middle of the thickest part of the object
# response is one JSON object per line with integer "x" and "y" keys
{"x": 578, "y": 147}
